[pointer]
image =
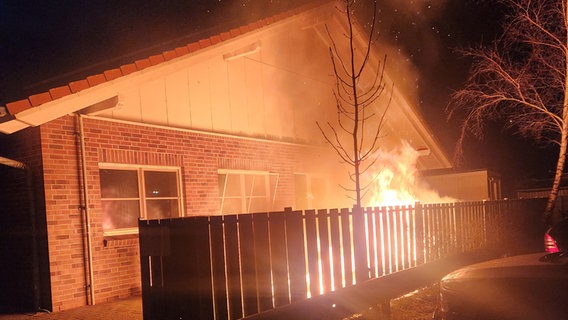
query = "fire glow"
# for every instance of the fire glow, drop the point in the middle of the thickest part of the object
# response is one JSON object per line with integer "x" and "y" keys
{"x": 394, "y": 180}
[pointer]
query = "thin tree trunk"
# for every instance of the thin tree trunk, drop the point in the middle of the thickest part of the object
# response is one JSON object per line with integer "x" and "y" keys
{"x": 548, "y": 213}
{"x": 558, "y": 175}
{"x": 356, "y": 147}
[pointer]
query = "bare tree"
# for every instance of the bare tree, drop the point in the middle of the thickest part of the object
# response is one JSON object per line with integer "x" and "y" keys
{"x": 522, "y": 79}
{"x": 358, "y": 87}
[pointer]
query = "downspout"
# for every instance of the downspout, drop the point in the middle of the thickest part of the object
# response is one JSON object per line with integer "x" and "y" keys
{"x": 85, "y": 209}
{"x": 32, "y": 216}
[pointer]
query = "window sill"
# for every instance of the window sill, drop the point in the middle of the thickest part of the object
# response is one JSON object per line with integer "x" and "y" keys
{"x": 120, "y": 234}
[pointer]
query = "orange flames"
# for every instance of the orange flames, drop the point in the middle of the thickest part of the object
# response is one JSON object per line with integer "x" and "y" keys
{"x": 394, "y": 180}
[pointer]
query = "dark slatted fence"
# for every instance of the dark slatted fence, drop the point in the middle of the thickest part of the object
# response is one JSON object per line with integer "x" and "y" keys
{"x": 233, "y": 266}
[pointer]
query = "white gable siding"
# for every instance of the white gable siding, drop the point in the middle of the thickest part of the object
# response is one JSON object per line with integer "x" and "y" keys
{"x": 199, "y": 96}
{"x": 177, "y": 99}
{"x": 274, "y": 83}
{"x": 220, "y": 102}
{"x": 153, "y": 107}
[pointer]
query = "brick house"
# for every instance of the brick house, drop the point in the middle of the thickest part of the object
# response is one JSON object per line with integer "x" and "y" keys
{"x": 222, "y": 125}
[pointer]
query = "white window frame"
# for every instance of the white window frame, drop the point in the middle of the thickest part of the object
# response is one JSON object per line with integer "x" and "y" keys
{"x": 140, "y": 169}
{"x": 269, "y": 193}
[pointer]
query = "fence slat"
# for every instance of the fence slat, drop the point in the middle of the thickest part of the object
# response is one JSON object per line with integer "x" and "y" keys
{"x": 322, "y": 219}
{"x": 312, "y": 252}
{"x": 296, "y": 255}
{"x": 335, "y": 241}
{"x": 345, "y": 215}
{"x": 381, "y": 240}
{"x": 419, "y": 228}
{"x": 233, "y": 267}
{"x": 218, "y": 268}
{"x": 262, "y": 259}
{"x": 279, "y": 260}
{"x": 248, "y": 265}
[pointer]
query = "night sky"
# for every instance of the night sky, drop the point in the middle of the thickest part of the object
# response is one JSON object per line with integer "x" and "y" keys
{"x": 49, "y": 43}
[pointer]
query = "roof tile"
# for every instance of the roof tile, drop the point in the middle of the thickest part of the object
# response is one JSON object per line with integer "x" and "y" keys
{"x": 194, "y": 46}
{"x": 244, "y": 29}
{"x": 204, "y": 43}
{"x": 225, "y": 36}
{"x": 96, "y": 79}
{"x": 112, "y": 74}
{"x": 156, "y": 59}
{"x": 59, "y": 92}
{"x": 169, "y": 55}
{"x": 143, "y": 64}
{"x": 79, "y": 85}
{"x": 181, "y": 51}
{"x": 215, "y": 39}
{"x": 255, "y": 25}
{"x": 128, "y": 68}
{"x": 18, "y": 106}
{"x": 235, "y": 32}
{"x": 40, "y": 98}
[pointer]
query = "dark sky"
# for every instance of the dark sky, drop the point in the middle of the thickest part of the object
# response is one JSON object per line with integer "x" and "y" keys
{"x": 44, "y": 44}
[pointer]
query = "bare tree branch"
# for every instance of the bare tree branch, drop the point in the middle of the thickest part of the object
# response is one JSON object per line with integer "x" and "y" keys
{"x": 521, "y": 80}
{"x": 358, "y": 92}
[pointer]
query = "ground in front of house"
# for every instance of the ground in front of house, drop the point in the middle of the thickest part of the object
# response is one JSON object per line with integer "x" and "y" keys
{"x": 419, "y": 305}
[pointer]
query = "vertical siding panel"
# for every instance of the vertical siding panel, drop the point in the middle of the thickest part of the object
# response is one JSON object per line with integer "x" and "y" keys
{"x": 130, "y": 108}
{"x": 153, "y": 102}
{"x": 237, "y": 95}
{"x": 177, "y": 99}
{"x": 254, "y": 95}
{"x": 199, "y": 96}
{"x": 273, "y": 103}
{"x": 220, "y": 105}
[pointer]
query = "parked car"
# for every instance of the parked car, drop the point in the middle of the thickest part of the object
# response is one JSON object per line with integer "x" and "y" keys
{"x": 530, "y": 286}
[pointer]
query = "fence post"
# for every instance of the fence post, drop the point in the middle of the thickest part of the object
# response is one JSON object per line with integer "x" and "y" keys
{"x": 360, "y": 245}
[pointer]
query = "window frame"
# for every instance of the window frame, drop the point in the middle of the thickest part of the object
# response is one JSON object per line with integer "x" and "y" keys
{"x": 309, "y": 197}
{"x": 270, "y": 191}
{"x": 142, "y": 198}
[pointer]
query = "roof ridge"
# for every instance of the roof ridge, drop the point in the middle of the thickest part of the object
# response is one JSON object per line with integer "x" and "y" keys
{"x": 73, "y": 87}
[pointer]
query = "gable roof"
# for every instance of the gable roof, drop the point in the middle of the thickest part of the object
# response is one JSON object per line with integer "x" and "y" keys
{"x": 13, "y": 115}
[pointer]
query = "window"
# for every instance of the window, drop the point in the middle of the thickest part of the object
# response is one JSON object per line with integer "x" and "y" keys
{"x": 246, "y": 191}
{"x": 311, "y": 191}
{"x": 129, "y": 193}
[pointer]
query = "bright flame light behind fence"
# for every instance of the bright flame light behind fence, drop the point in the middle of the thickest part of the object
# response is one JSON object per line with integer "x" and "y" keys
{"x": 254, "y": 262}
{"x": 390, "y": 233}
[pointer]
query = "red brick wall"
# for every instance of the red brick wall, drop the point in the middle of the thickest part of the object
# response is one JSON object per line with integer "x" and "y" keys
{"x": 116, "y": 260}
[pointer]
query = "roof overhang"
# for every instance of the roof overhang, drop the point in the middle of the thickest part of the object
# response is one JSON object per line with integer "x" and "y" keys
{"x": 77, "y": 103}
